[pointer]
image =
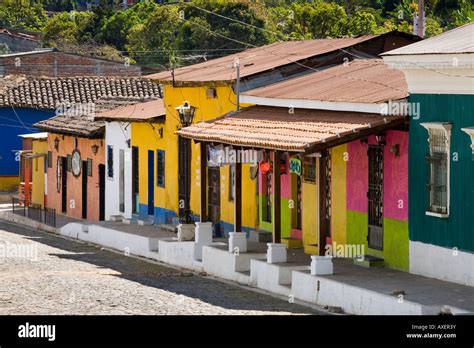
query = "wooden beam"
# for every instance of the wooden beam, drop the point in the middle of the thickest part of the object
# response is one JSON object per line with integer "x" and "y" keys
{"x": 203, "y": 184}
{"x": 322, "y": 203}
{"x": 238, "y": 198}
{"x": 276, "y": 197}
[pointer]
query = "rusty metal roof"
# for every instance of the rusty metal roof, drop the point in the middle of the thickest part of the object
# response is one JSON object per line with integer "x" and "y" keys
{"x": 136, "y": 112}
{"x": 360, "y": 81}
{"x": 257, "y": 60}
{"x": 275, "y": 128}
{"x": 458, "y": 40}
{"x": 83, "y": 123}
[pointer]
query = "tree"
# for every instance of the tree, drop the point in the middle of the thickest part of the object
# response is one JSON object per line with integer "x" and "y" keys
{"x": 155, "y": 40}
{"x": 362, "y": 23}
{"x": 117, "y": 26}
{"x": 22, "y": 14}
{"x": 66, "y": 27}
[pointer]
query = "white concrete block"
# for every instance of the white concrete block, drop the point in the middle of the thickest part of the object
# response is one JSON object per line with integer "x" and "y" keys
{"x": 203, "y": 232}
{"x": 321, "y": 265}
{"x": 237, "y": 242}
{"x": 276, "y": 252}
{"x": 185, "y": 232}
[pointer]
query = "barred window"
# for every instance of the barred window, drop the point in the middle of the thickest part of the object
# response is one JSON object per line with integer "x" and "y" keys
{"x": 437, "y": 168}
{"x": 160, "y": 168}
{"x": 110, "y": 161}
{"x": 309, "y": 169}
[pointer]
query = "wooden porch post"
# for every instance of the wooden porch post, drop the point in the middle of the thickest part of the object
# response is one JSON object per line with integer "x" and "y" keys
{"x": 203, "y": 184}
{"x": 238, "y": 198}
{"x": 276, "y": 198}
{"x": 322, "y": 204}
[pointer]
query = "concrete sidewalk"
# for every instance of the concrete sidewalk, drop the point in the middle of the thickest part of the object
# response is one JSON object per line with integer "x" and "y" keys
{"x": 355, "y": 289}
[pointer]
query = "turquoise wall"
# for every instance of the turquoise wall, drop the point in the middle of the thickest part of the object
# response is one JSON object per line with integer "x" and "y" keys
{"x": 457, "y": 230}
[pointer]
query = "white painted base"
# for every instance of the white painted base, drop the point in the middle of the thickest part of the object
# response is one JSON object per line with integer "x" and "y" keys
{"x": 442, "y": 263}
{"x": 126, "y": 242}
{"x": 203, "y": 231}
{"x": 355, "y": 300}
{"x": 179, "y": 254}
{"x": 272, "y": 277}
{"x": 237, "y": 242}
{"x": 186, "y": 232}
{"x": 276, "y": 252}
{"x": 321, "y": 265}
{"x": 217, "y": 261}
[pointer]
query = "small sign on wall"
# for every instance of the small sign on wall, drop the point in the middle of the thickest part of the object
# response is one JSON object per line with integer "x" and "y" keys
{"x": 295, "y": 166}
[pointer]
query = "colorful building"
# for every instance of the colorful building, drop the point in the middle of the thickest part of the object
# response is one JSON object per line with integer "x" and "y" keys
{"x": 76, "y": 170}
{"x": 33, "y": 169}
{"x": 26, "y": 101}
{"x": 125, "y": 155}
{"x": 439, "y": 73}
{"x": 365, "y": 201}
{"x": 210, "y": 89}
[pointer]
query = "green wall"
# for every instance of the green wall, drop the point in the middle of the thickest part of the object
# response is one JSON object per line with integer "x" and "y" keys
{"x": 457, "y": 230}
{"x": 285, "y": 216}
{"x": 395, "y": 239}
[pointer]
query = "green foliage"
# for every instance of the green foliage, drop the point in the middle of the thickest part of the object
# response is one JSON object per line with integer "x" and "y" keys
{"x": 182, "y": 33}
{"x": 22, "y": 14}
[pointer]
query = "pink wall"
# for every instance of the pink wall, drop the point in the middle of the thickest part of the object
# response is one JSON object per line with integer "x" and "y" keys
{"x": 396, "y": 177}
{"x": 285, "y": 180}
{"x": 395, "y": 180}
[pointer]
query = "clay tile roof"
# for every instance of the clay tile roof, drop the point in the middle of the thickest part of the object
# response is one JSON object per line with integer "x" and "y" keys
{"x": 360, "y": 81}
{"x": 134, "y": 112}
{"x": 49, "y": 93}
{"x": 257, "y": 60}
{"x": 274, "y": 128}
{"x": 82, "y": 122}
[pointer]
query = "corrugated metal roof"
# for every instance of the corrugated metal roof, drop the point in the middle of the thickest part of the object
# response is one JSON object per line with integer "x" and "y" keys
{"x": 83, "y": 124}
{"x": 135, "y": 112}
{"x": 360, "y": 81}
{"x": 256, "y": 60}
{"x": 42, "y": 135}
{"x": 458, "y": 40}
{"x": 275, "y": 128}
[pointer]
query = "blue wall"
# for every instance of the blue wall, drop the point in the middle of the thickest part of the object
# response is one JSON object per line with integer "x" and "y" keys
{"x": 10, "y": 127}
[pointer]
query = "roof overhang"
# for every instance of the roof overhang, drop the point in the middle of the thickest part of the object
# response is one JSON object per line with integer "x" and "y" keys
{"x": 306, "y": 132}
{"x": 371, "y": 108}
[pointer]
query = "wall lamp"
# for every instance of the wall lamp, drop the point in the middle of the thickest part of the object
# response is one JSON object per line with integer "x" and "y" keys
{"x": 95, "y": 149}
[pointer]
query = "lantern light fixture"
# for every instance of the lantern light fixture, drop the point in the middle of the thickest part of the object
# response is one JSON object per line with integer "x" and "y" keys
{"x": 186, "y": 113}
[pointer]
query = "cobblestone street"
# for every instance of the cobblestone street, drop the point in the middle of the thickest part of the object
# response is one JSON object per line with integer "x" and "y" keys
{"x": 45, "y": 274}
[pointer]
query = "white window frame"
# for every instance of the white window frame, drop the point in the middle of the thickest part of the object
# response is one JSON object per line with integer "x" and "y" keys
{"x": 446, "y": 128}
{"x": 470, "y": 131}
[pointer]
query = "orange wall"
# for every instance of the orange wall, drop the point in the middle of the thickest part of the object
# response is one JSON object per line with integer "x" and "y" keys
{"x": 74, "y": 184}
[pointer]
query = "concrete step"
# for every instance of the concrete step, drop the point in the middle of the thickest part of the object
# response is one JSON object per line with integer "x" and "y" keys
{"x": 146, "y": 222}
{"x": 130, "y": 221}
{"x": 292, "y": 243}
{"x": 169, "y": 227}
{"x": 116, "y": 218}
{"x": 261, "y": 236}
{"x": 369, "y": 261}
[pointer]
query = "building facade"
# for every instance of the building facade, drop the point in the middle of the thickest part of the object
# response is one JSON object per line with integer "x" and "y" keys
{"x": 439, "y": 73}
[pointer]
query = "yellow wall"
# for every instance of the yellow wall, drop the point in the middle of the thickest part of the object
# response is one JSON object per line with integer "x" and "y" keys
{"x": 338, "y": 194}
{"x": 144, "y": 137}
{"x": 9, "y": 183}
{"x": 310, "y": 221}
{"x": 38, "y": 163}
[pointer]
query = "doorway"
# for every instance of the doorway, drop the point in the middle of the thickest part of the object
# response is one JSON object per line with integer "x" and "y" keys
{"x": 214, "y": 194}
{"x": 121, "y": 181}
{"x": 135, "y": 179}
{"x": 64, "y": 184}
{"x": 84, "y": 189}
{"x": 375, "y": 197}
{"x": 184, "y": 176}
{"x": 151, "y": 187}
{"x": 101, "y": 192}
